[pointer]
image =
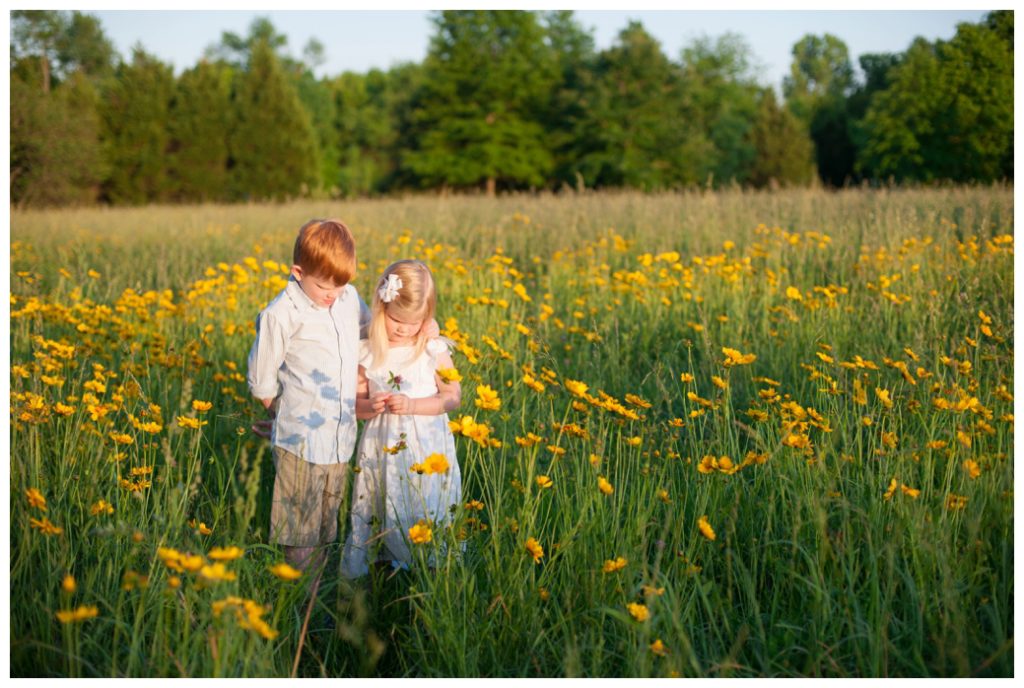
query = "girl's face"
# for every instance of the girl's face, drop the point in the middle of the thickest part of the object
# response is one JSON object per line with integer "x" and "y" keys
{"x": 401, "y": 331}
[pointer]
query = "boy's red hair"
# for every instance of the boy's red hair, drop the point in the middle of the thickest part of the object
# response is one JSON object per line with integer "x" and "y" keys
{"x": 325, "y": 248}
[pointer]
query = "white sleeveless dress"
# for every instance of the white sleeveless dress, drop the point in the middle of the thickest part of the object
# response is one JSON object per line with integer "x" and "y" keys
{"x": 387, "y": 497}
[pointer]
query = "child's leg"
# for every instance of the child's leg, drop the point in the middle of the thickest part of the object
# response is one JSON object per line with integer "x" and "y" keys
{"x": 303, "y": 558}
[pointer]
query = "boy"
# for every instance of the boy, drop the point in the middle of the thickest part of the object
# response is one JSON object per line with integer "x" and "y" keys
{"x": 302, "y": 368}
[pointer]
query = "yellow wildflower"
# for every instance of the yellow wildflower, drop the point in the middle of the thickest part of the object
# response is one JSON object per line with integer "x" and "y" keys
{"x": 658, "y": 648}
{"x": 576, "y": 387}
{"x": 909, "y": 491}
{"x": 638, "y": 611}
{"x": 734, "y": 357}
{"x": 604, "y": 486}
{"x": 883, "y": 396}
{"x": 82, "y": 613}
{"x": 101, "y": 507}
{"x": 190, "y": 423}
{"x": 705, "y": 528}
{"x": 535, "y": 550}
{"x": 544, "y": 482}
{"x": 36, "y": 500}
{"x": 285, "y": 572}
{"x": 613, "y": 565}
{"x": 972, "y": 468}
{"x": 449, "y": 375}
{"x": 201, "y": 406}
{"x": 421, "y": 533}
{"x": 487, "y": 398}
{"x": 225, "y": 553}
{"x": 45, "y": 526}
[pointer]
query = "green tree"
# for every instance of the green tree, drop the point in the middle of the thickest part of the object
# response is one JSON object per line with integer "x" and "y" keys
{"x": 721, "y": 101}
{"x": 878, "y": 70}
{"x": 272, "y": 144}
{"x": 237, "y": 50}
{"x": 635, "y": 115}
{"x": 135, "y": 116}
{"x": 317, "y": 98}
{"x": 487, "y": 76}
{"x": 55, "y": 149}
{"x": 948, "y": 110}
{"x": 35, "y": 35}
{"x": 565, "y": 117}
{"x": 821, "y": 77}
{"x": 84, "y": 47}
{"x": 199, "y": 120}
{"x": 784, "y": 153}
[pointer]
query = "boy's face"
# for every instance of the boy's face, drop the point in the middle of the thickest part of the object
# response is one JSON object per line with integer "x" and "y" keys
{"x": 321, "y": 290}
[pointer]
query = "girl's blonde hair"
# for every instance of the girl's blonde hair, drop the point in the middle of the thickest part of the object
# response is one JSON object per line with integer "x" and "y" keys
{"x": 416, "y": 300}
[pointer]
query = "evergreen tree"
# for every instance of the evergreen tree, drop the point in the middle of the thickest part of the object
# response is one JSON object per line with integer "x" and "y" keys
{"x": 565, "y": 119}
{"x": 784, "y": 151}
{"x": 317, "y": 99}
{"x": 391, "y": 130}
{"x": 55, "y": 149}
{"x": 135, "y": 117}
{"x": 200, "y": 111}
{"x": 635, "y": 113}
{"x": 356, "y": 116}
{"x": 487, "y": 77}
{"x": 272, "y": 145}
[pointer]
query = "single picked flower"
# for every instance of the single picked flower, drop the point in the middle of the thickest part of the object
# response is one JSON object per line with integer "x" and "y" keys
{"x": 395, "y": 381}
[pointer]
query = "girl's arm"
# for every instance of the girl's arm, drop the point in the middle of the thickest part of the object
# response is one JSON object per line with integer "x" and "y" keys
{"x": 447, "y": 399}
{"x": 368, "y": 407}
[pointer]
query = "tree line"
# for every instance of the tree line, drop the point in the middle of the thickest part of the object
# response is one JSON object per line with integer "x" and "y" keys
{"x": 503, "y": 100}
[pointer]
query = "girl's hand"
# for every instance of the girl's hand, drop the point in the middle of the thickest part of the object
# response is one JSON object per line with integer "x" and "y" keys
{"x": 379, "y": 401}
{"x": 399, "y": 404}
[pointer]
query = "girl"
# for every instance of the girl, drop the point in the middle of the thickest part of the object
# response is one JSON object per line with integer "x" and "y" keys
{"x": 408, "y": 472}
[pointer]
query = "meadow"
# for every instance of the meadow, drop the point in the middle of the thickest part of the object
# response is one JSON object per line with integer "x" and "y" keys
{"x": 703, "y": 434}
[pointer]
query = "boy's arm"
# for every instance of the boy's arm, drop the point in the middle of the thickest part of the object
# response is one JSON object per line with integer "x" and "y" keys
{"x": 364, "y": 318}
{"x": 265, "y": 359}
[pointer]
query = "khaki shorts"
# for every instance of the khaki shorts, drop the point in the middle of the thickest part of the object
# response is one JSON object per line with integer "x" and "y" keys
{"x": 307, "y": 496}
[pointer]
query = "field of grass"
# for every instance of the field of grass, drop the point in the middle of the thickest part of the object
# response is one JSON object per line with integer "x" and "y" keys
{"x": 775, "y": 432}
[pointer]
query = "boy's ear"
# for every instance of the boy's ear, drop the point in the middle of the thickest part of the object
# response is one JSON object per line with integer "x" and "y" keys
{"x": 297, "y": 272}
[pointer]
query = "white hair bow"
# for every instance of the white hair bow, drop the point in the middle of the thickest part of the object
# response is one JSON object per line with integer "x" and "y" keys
{"x": 389, "y": 288}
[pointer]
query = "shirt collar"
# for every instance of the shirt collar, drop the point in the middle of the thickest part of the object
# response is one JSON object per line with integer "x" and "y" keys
{"x": 301, "y": 300}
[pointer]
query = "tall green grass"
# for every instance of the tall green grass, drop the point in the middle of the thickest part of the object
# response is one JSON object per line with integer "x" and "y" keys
{"x": 813, "y": 571}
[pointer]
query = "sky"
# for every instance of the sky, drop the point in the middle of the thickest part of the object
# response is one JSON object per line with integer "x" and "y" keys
{"x": 359, "y": 40}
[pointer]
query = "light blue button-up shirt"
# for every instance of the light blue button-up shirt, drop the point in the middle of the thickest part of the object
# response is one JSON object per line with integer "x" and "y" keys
{"x": 307, "y": 357}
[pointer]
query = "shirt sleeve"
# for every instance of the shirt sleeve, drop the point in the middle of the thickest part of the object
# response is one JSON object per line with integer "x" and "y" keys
{"x": 266, "y": 356}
